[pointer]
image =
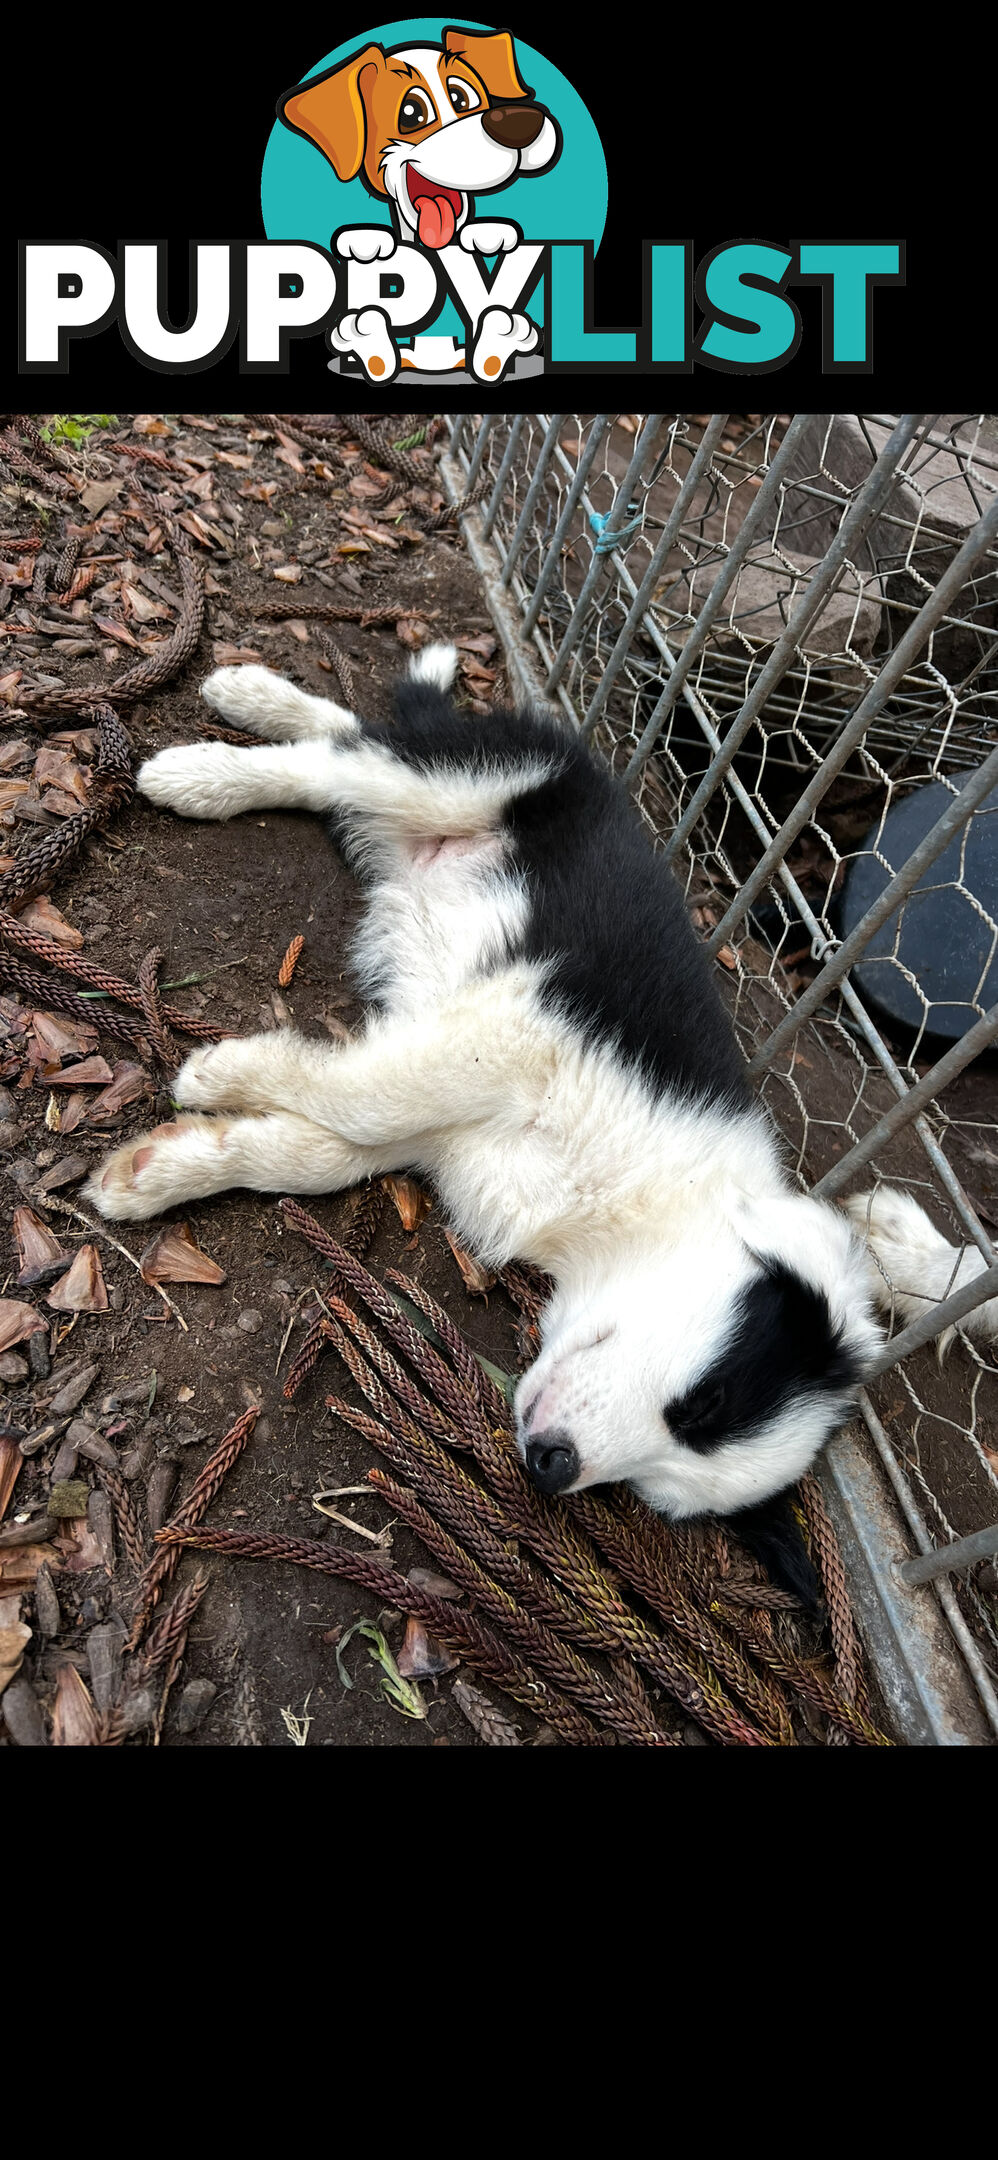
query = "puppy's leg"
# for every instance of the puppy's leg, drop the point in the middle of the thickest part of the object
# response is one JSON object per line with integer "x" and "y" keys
{"x": 918, "y": 1267}
{"x": 274, "y": 708}
{"x": 217, "y": 780}
{"x": 195, "y": 1156}
{"x": 356, "y": 778}
{"x": 399, "y": 1079}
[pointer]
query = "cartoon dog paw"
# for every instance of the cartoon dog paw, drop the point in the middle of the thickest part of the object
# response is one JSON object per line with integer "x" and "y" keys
{"x": 366, "y": 334}
{"x": 364, "y": 243}
{"x": 489, "y": 238}
{"x": 498, "y": 339}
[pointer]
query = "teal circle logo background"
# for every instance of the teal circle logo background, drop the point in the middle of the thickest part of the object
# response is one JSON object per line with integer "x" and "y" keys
{"x": 302, "y": 199}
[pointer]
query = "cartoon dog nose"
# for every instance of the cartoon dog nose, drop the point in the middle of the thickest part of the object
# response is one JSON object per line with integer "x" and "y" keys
{"x": 552, "y": 1461}
{"x": 513, "y": 126}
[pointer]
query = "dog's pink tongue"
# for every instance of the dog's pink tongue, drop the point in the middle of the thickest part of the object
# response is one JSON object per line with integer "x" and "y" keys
{"x": 437, "y": 222}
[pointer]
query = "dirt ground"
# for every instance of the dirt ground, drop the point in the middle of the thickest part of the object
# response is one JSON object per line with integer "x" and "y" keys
{"x": 223, "y": 905}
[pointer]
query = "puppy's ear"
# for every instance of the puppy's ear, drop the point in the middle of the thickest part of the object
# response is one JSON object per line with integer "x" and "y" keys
{"x": 331, "y": 110}
{"x": 493, "y": 60}
{"x": 773, "y": 1536}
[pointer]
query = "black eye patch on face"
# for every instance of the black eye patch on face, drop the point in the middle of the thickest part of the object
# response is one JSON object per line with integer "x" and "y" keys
{"x": 783, "y": 1345}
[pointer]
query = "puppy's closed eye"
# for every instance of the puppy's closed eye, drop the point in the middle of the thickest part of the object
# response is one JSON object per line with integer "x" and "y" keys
{"x": 700, "y": 1413}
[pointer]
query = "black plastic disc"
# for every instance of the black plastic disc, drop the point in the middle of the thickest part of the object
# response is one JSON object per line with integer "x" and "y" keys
{"x": 938, "y": 937}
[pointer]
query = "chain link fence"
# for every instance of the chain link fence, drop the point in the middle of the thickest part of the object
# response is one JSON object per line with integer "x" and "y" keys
{"x": 783, "y": 632}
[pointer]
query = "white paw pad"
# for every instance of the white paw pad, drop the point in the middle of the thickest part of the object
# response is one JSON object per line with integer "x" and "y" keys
{"x": 366, "y": 334}
{"x": 498, "y": 339}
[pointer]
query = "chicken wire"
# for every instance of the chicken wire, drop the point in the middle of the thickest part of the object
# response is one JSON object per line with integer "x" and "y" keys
{"x": 777, "y": 629}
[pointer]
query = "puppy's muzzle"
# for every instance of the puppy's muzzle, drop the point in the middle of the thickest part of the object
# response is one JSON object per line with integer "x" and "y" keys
{"x": 513, "y": 127}
{"x": 552, "y": 1461}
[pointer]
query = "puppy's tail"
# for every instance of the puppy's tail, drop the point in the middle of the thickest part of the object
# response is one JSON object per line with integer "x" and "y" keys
{"x": 436, "y": 664}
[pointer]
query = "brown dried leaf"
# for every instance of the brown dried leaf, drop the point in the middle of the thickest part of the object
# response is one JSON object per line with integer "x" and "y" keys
{"x": 62, "y": 1038}
{"x": 20, "y": 1565}
{"x": 94, "y": 1072}
{"x": 74, "y": 1718}
{"x": 410, "y": 633}
{"x": 129, "y": 1083}
{"x": 82, "y": 1289}
{"x": 484, "y": 645}
{"x": 98, "y": 493}
{"x": 80, "y": 1550}
{"x": 16, "y": 1321}
{"x": 174, "y": 1256}
{"x": 44, "y": 920}
{"x": 13, "y": 1643}
{"x": 421, "y": 1658}
{"x": 109, "y": 628}
{"x": 11, "y": 1462}
{"x": 13, "y": 754}
{"x": 476, "y": 1278}
{"x": 142, "y": 607}
{"x": 412, "y": 1204}
{"x": 59, "y": 769}
{"x": 57, "y": 804}
{"x": 73, "y": 1112}
{"x": 36, "y": 1246}
{"x": 236, "y": 655}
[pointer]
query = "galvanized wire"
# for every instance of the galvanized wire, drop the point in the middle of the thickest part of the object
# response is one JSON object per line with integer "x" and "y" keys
{"x": 772, "y": 699}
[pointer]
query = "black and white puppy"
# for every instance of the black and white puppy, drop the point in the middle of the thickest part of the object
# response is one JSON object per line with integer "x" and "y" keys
{"x": 546, "y": 1045}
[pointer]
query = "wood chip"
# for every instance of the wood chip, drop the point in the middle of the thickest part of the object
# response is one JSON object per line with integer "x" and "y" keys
{"x": 74, "y": 1718}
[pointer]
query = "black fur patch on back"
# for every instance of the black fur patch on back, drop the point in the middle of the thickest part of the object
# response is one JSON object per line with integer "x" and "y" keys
{"x": 606, "y": 915}
{"x": 783, "y": 1347}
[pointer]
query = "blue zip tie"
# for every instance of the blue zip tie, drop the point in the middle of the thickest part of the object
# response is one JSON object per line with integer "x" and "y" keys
{"x": 606, "y": 542}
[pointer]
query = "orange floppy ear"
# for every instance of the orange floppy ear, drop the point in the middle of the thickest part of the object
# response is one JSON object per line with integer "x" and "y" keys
{"x": 331, "y": 111}
{"x": 493, "y": 60}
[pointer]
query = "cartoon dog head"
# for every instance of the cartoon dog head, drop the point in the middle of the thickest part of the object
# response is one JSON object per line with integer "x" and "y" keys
{"x": 427, "y": 126}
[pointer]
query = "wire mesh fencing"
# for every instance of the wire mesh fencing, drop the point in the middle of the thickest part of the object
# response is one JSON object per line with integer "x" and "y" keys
{"x": 783, "y": 632}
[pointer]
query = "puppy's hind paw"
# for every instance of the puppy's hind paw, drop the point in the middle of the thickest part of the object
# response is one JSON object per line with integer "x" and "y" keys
{"x": 174, "y": 1162}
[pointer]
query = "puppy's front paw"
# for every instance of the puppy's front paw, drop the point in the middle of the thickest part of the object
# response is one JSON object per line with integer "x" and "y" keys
{"x": 220, "y": 1076}
{"x": 195, "y": 779}
{"x": 245, "y": 695}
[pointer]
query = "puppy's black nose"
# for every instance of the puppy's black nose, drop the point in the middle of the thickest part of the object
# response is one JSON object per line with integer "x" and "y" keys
{"x": 552, "y": 1461}
{"x": 513, "y": 126}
